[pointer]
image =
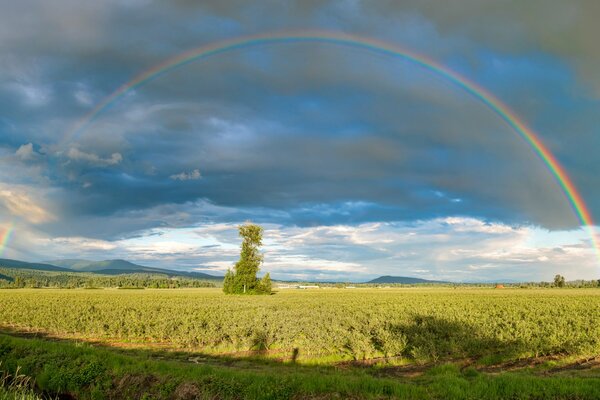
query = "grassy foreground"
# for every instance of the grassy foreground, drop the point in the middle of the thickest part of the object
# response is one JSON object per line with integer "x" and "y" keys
{"x": 366, "y": 343}
{"x": 85, "y": 372}
{"x": 17, "y": 394}
{"x": 16, "y": 386}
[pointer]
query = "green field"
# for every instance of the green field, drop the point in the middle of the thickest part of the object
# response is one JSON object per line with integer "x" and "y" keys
{"x": 419, "y": 325}
{"x": 359, "y": 342}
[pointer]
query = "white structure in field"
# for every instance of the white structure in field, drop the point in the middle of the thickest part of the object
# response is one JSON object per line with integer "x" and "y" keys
{"x": 297, "y": 287}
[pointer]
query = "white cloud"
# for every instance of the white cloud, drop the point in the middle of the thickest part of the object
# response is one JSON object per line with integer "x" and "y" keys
{"x": 19, "y": 202}
{"x": 187, "y": 176}
{"x": 161, "y": 248}
{"x": 32, "y": 94}
{"x": 281, "y": 263}
{"x": 458, "y": 249}
{"x": 81, "y": 243}
{"x": 93, "y": 159}
{"x": 83, "y": 97}
{"x": 26, "y": 152}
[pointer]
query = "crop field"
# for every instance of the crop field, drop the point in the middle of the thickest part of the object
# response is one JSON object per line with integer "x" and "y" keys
{"x": 82, "y": 335}
{"x": 411, "y": 325}
{"x": 328, "y": 343}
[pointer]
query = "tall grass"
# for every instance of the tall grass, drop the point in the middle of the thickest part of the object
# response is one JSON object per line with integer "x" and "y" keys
{"x": 85, "y": 372}
{"x": 16, "y": 386}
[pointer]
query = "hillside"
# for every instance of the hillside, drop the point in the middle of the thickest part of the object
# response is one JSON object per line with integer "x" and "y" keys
{"x": 93, "y": 266}
{"x": 73, "y": 264}
{"x": 8, "y": 263}
{"x": 401, "y": 279}
{"x": 119, "y": 267}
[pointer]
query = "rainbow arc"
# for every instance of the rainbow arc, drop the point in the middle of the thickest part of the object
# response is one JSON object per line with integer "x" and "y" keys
{"x": 5, "y": 234}
{"x": 372, "y": 45}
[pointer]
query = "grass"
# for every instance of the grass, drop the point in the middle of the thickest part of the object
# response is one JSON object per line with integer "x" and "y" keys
{"x": 16, "y": 386}
{"x": 445, "y": 343}
{"x": 324, "y": 326}
{"x": 86, "y": 372}
{"x": 17, "y": 394}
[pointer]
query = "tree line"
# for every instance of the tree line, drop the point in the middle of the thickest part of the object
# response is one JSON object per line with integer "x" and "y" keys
{"x": 18, "y": 278}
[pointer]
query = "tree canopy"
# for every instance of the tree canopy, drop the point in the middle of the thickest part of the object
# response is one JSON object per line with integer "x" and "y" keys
{"x": 243, "y": 279}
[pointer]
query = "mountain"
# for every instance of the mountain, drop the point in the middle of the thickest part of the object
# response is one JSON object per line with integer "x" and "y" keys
{"x": 7, "y": 263}
{"x": 94, "y": 266}
{"x": 119, "y": 267}
{"x": 402, "y": 279}
{"x": 72, "y": 264}
{"x": 158, "y": 271}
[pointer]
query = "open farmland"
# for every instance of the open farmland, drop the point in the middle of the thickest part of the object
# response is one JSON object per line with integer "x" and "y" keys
{"x": 327, "y": 343}
{"x": 416, "y": 325}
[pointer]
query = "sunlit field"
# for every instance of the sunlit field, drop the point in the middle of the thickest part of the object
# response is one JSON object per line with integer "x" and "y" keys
{"x": 323, "y": 343}
{"x": 411, "y": 325}
{"x": 415, "y": 325}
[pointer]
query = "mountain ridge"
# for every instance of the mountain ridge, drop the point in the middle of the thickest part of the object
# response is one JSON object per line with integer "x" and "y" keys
{"x": 120, "y": 266}
{"x": 17, "y": 264}
{"x": 106, "y": 267}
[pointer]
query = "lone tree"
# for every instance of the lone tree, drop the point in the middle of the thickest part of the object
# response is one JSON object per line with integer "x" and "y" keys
{"x": 559, "y": 281}
{"x": 243, "y": 279}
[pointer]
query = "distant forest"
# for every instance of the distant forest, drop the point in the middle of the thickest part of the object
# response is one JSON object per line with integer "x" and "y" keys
{"x": 27, "y": 278}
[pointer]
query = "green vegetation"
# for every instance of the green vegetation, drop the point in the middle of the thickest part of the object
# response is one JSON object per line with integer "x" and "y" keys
{"x": 85, "y": 372}
{"x": 330, "y": 343}
{"x": 11, "y": 278}
{"x": 415, "y": 325}
{"x": 17, "y": 394}
{"x": 16, "y": 386}
{"x": 243, "y": 279}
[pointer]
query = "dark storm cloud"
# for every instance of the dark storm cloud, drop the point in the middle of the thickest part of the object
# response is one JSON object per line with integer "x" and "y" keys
{"x": 305, "y": 134}
{"x": 280, "y": 148}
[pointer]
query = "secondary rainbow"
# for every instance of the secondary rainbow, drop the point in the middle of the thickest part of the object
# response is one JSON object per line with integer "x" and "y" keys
{"x": 5, "y": 237}
{"x": 358, "y": 42}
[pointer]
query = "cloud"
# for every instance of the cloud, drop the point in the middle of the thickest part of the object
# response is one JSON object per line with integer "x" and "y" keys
{"x": 26, "y": 152}
{"x": 457, "y": 249}
{"x": 83, "y": 97}
{"x": 523, "y": 26}
{"x": 22, "y": 204}
{"x": 32, "y": 95}
{"x": 93, "y": 159}
{"x": 83, "y": 244}
{"x": 187, "y": 176}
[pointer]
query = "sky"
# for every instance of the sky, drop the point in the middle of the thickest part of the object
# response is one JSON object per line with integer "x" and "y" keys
{"x": 357, "y": 164}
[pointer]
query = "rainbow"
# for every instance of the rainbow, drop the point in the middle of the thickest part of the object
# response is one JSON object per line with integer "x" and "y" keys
{"x": 5, "y": 237}
{"x": 373, "y": 45}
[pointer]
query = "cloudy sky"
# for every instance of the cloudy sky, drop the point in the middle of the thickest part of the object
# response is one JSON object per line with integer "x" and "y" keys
{"x": 357, "y": 164}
